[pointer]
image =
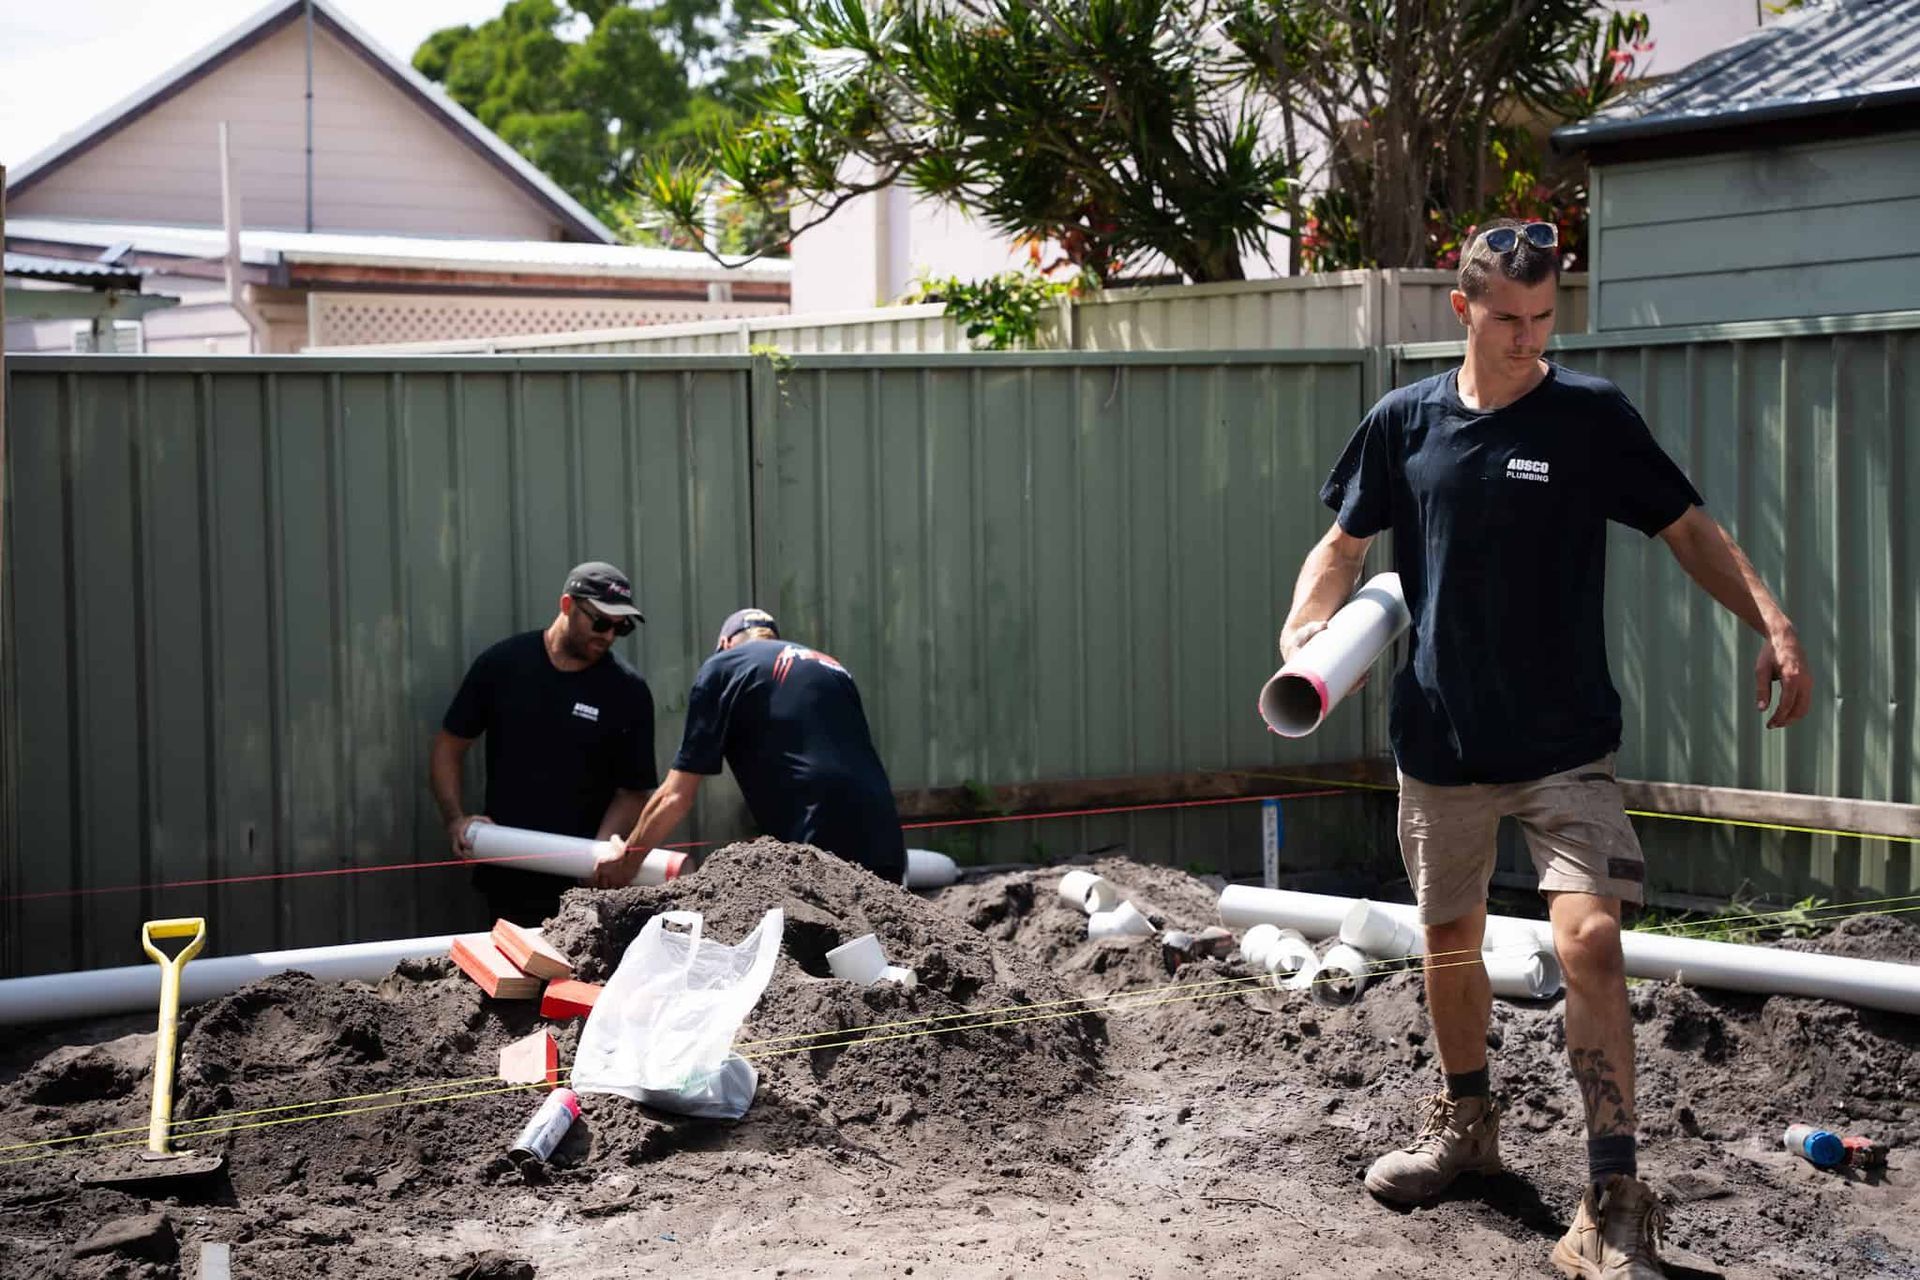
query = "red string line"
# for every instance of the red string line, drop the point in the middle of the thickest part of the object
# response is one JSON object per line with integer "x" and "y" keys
{"x": 265, "y": 876}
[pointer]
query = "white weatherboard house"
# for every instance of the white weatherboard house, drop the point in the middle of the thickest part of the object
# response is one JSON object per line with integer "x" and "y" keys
{"x": 421, "y": 223}
{"x": 1777, "y": 178}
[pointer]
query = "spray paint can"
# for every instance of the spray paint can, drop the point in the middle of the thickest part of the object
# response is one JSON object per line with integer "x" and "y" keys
{"x": 549, "y": 1124}
{"x": 1817, "y": 1147}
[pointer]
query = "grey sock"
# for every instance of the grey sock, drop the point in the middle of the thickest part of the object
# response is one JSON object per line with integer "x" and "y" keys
{"x": 1469, "y": 1084}
{"x": 1615, "y": 1153}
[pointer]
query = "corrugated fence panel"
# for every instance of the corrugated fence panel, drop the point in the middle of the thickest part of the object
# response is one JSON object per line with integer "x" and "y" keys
{"x": 1799, "y": 436}
{"x": 1061, "y": 566}
{"x": 243, "y": 591}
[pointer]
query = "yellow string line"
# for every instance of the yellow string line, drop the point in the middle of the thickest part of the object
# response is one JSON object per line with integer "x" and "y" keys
{"x": 1113, "y": 1002}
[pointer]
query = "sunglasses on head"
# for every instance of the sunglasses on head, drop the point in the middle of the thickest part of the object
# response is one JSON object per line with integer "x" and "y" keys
{"x": 603, "y": 624}
{"x": 1541, "y": 235}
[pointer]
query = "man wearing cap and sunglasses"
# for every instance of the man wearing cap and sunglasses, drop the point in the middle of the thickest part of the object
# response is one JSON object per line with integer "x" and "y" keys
{"x": 788, "y": 721}
{"x": 1498, "y": 480}
{"x": 569, "y": 729}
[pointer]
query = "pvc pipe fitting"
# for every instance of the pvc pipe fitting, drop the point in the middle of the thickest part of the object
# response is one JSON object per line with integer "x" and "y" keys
{"x": 929, "y": 870}
{"x": 1124, "y": 921}
{"x": 860, "y": 961}
{"x": 1089, "y": 891}
{"x": 1523, "y": 973}
{"x": 1341, "y": 977}
{"x": 659, "y": 866}
{"x": 1380, "y": 935}
{"x": 1299, "y": 696}
{"x": 1256, "y": 942}
{"x": 901, "y": 975}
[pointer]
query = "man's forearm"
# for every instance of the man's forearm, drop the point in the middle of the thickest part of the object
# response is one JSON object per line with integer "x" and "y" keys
{"x": 1326, "y": 580}
{"x": 1713, "y": 559}
{"x": 662, "y": 815}
{"x": 623, "y": 811}
{"x": 443, "y": 775}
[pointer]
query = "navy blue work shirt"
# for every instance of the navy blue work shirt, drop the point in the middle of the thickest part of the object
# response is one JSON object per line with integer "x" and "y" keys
{"x": 788, "y": 721}
{"x": 1499, "y": 523}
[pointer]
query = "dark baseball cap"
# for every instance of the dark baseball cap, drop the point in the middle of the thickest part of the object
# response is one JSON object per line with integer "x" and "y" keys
{"x": 742, "y": 620}
{"x": 606, "y": 586}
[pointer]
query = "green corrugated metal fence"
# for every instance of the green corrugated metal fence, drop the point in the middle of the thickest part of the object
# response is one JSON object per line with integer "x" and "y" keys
{"x": 1060, "y": 566}
{"x": 1800, "y": 436}
{"x": 240, "y": 592}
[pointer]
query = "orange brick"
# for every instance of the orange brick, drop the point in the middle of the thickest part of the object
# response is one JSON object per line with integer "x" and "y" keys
{"x": 530, "y": 951}
{"x": 533, "y": 1059}
{"x": 568, "y": 999}
{"x": 496, "y": 975}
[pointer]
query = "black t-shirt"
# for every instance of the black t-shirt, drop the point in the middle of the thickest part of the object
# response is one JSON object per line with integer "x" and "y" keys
{"x": 558, "y": 742}
{"x": 1499, "y": 534}
{"x": 788, "y": 721}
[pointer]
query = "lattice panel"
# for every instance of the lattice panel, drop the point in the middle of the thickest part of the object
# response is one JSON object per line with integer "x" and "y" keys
{"x": 363, "y": 319}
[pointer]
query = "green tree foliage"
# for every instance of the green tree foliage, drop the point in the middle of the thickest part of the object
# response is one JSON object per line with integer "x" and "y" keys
{"x": 1436, "y": 112}
{"x": 586, "y": 88}
{"x": 1102, "y": 126}
{"x": 1180, "y": 130}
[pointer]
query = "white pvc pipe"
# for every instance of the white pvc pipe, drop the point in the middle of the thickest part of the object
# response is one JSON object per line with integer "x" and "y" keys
{"x": 573, "y": 857}
{"x": 1523, "y": 973}
{"x": 1379, "y": 933}
{"x": 1317, "y": 915}
{"x": 134, "y": 988}
{"x": 1088, "y": 891}
{"x": 1341, "y": 976}
{"x": 1124, "y": 921}
{"x": 1873, "y": 984}
{"x": 929, "y": 870}
{"x": 1301, "y": 694}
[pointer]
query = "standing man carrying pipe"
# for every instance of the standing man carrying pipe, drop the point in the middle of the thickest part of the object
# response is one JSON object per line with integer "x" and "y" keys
{"x": 569, "y": 728}
{"x": 788, "y": 721}
{"x": 1498, "y": 479}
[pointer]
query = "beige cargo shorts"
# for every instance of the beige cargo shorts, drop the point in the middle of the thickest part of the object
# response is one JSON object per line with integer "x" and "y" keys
{"x": 1575, "y": 824}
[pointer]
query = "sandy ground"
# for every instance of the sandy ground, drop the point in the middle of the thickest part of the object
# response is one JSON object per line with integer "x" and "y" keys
{"x": 1223, "y": 1135}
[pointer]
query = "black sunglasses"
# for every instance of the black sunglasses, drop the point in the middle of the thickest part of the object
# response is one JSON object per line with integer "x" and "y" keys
{"x": 1541, "y": 235}
{"x": 602, "y": 623}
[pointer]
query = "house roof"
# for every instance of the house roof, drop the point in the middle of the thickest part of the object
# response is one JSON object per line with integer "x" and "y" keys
{"x": 1832, "y": 58}
{"x": 428, "y": 95}
{"x": 94, "y": 275}
{"x": 269, "y": 248}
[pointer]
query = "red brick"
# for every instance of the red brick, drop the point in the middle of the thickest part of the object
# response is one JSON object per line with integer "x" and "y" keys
{"x": 496, "y": 975}
{"x": 529, "y": 951}
{"x": 568, "y": 999}
{"x": 533, "y": 1059}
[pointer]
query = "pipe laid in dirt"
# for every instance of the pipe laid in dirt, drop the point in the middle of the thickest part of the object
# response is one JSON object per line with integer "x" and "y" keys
{"x": 1299, "y": 695}
{"x": 1528, "y": 973}
{"x": 57, "y": 997}
{"x": 1380, "y": 933}
{"x": 1341, "y": 976}
{"x": 929, "y": 870}
{"x": 1872, "y": 984}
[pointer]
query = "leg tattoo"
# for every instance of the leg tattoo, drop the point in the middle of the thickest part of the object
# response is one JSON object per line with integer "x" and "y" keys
{"x": 1607, "y": 1109}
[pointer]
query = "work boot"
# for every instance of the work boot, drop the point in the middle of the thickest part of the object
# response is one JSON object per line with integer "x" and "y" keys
{"x": 1461, "y": 1135}
{"x": 1616, "y": 1233}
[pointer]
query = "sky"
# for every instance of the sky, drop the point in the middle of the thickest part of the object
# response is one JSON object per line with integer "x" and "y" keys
{"x": 64, "y": 61}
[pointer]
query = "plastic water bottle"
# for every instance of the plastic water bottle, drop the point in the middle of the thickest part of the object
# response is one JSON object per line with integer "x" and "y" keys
{"x": 549, "y": 1124}
{"x": 1817, "y": 1147}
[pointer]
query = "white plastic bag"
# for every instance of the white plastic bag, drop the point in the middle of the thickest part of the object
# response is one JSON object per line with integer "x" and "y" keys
{"x": 662, "y": 1031}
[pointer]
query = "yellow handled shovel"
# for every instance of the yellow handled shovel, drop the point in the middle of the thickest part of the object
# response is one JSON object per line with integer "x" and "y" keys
{"x": 158, "y": 1163}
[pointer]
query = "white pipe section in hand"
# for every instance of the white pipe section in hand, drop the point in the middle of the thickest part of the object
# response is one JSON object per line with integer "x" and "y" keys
{"x": 1872, "y": 984}
{"x": 1301, "y": 694}
{"x": 573, "y": 857}
{"x": 134, "y": 988}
